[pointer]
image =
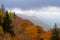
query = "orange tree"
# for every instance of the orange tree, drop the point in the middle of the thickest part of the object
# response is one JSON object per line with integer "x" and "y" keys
{"x": 30, "y": 33}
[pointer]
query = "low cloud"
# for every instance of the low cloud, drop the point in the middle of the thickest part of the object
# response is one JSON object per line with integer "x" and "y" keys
{"x": 41, "y": 12}
{"x": 49, "y": 14}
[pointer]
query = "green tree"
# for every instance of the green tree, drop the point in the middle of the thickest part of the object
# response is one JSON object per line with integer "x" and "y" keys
{"x": 55, "y": 33}
{"x": 7, "y": 27}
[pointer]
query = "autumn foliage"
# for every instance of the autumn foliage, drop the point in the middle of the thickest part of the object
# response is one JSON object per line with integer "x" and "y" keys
{"x": 23, "y": 29}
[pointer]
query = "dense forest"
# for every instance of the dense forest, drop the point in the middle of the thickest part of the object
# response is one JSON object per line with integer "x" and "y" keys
{"x": 13, "y": 27}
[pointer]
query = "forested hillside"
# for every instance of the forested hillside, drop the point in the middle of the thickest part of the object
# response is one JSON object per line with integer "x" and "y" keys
{"x": 13, "y": 27}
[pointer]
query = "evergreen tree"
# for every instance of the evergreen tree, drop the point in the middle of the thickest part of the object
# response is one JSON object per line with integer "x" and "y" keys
{"x": 0, "y": 21}
{"x": 55, "y": 33}
{"x": 7, "y": 27}
{"x": 14, "y": 15}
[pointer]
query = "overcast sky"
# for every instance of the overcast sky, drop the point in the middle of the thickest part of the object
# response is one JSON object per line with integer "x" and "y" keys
{"x": 28, "y": 4}
{"x": 49, "y": 10}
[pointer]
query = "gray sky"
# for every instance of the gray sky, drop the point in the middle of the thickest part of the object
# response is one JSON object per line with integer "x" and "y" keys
{"x": 29, "y": 4}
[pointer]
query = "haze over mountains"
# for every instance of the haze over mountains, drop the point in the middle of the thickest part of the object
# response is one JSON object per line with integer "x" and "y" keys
{"x": 44, "y": 22}
{"x": 45, "y": 16}
{"x": 35, "y": 20}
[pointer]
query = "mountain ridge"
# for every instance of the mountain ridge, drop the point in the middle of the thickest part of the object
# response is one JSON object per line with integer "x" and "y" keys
{"x": 35, "y": 20}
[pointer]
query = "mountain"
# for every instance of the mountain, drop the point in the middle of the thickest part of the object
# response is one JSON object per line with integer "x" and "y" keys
{"x": 35, "y": 20}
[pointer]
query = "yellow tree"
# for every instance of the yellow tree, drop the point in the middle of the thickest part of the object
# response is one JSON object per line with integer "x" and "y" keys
{"x": 2, "y": 15}
{"x": 1, "y": 30}
{"x": 11, "y": 15}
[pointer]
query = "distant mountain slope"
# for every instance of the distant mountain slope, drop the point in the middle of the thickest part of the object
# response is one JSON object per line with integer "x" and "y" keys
{"x": 35, "y": 20}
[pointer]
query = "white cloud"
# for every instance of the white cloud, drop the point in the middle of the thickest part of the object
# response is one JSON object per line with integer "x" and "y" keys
{"x": 44, "y": 11}
{"x": 50, "y": 13}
